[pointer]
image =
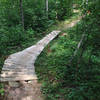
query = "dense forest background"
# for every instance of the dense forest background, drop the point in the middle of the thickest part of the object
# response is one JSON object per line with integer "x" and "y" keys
{"x": 75, "y": 76}
{"x": 22, "y": 20}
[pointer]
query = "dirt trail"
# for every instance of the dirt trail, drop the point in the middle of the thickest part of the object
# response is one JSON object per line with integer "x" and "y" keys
{"x": 30, "y": 90}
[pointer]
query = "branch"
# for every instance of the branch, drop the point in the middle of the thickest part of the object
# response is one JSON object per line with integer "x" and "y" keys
{"x": 78, "y": 47}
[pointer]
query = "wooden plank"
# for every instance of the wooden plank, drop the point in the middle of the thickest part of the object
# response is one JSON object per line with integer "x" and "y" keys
{"x": 20, "y": 66}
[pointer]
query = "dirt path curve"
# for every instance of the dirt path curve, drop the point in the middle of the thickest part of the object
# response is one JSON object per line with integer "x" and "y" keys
{"x": 24, "y": 91}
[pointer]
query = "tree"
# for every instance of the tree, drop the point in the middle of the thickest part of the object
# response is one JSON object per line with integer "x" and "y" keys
{"x": 47, "y": 7}
{"x": 21, "y": 14}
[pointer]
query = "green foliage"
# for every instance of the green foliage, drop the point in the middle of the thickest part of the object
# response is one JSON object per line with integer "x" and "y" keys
{"x": 10, "y": 37}
{"x": 80, "y": 79}
{"x": 36, "y": 20}
{"x": 64, "y": 9}
{"x": 1, "y": 89}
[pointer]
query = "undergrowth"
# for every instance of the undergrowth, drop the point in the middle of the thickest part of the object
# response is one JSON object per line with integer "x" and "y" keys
{"x": 76, "y": 79}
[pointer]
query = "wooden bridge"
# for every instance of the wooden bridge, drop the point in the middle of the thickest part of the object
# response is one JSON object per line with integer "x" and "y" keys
{"x": 20, "y": 66}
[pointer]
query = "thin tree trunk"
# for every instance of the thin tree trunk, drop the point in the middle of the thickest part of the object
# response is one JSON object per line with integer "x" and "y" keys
{"x": 78, "y": 46}
{"x": 21, "y": 14}
{"x": 47, "y": 8}
{"x": 56, "y": 10}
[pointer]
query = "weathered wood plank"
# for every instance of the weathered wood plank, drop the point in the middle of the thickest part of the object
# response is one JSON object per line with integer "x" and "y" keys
{"x": 20, "y": 66}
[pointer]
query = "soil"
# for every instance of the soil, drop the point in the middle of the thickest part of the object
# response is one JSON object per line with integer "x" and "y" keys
{"x": 27, "y": 90}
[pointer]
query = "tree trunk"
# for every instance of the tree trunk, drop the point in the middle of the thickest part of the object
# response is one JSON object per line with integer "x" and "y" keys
{"x": 21, "y": 14}
{"x": 47, "y": 7}
{"x": 78, "y": 47}
{"x": 56, "y": 10}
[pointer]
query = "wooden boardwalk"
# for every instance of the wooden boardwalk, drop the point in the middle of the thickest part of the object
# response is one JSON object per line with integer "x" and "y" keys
{"x": 20, "y": 66}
